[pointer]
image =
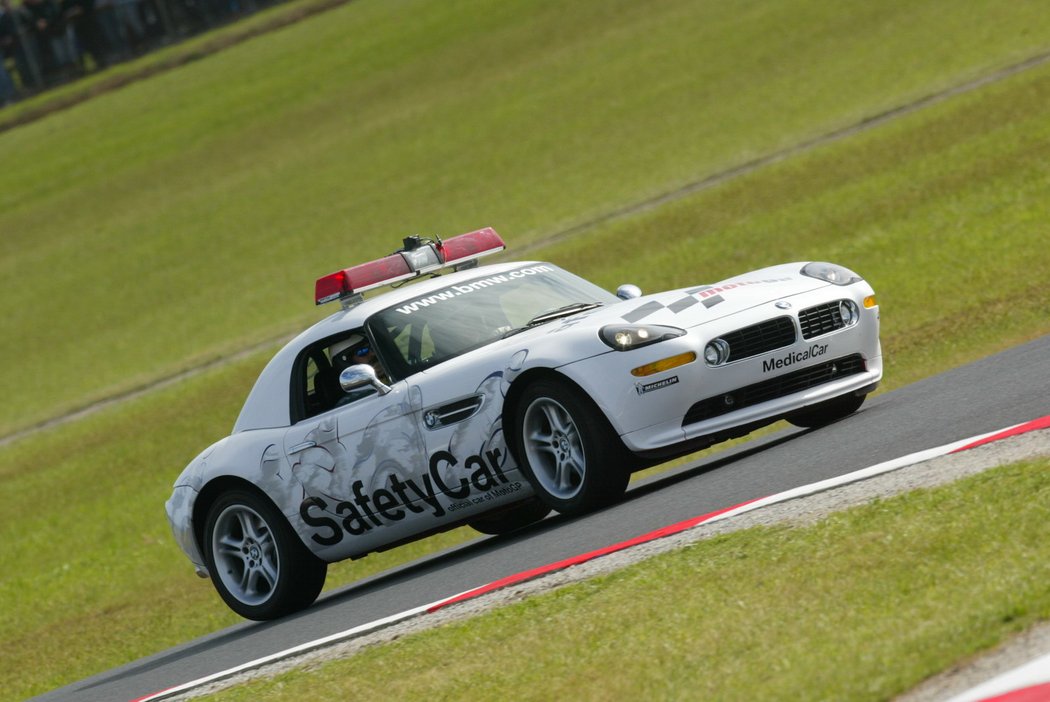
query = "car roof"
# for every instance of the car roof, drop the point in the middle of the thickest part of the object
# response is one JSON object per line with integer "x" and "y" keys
{"x": 356, "y": 315}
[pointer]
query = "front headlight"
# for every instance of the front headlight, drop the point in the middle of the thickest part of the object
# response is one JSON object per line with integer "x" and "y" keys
{"x": 831, "y": 273}
{"x": 849, "y": 312}
{"x": 716, "y": 352}
{"x": 625, "y": 337}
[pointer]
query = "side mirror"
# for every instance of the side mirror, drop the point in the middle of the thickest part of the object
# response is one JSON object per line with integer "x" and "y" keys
{"x": 361, "y": 375}
{"x": 628, "y": 291}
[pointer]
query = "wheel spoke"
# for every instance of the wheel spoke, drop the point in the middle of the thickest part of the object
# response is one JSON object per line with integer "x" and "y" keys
{"x": 230, "y": 545}
{"x": 545, "y": 444}
{"x": 265, "y": 539}
{"x": 570, "y": 472}
{"x": 563, "y": 475}
{"x": 543, "y": 438}
{"x": 254, "y": 528}
{"x": 556, "y": 417}
{"x": 268, "y": 572}
{"x": 577, "y": 456}
{"x": 242, "y": 521}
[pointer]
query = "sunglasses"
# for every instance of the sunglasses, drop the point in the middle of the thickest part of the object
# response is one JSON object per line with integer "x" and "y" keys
{"x": 362, "y": 352}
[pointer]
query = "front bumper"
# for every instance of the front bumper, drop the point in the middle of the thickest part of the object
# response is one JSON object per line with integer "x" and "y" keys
{"x": 652, "y": 439}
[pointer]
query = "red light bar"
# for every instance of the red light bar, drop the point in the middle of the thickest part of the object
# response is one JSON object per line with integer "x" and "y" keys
{"x": 331, "y": 287}
{"x": 473, "y": 245}
{"x": 407, "y": 264}
{"x": 365, "y": 276}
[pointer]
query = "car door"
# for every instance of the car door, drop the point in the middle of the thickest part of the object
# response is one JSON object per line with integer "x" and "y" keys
{"x": 468, "y": 459}
{"x": 361, "y": 466}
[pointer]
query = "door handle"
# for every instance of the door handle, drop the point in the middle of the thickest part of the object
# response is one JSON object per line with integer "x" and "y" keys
{"x": 302, "y": 447}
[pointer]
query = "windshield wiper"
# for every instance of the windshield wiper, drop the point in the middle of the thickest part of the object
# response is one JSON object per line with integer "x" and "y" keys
{"x": 562, "y": 312}
{"x": 552, "y": 314}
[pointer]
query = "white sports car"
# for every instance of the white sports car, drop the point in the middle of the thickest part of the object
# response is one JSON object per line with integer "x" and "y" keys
{"x": 490, "y": 395}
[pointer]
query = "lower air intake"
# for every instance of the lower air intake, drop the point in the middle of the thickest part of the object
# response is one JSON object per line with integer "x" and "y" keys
{"x": 771, "y": 389}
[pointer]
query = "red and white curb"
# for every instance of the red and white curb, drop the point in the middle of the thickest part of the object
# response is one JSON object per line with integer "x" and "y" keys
{"x": 1027, "y": 683}
{"x": 1030, "y": 683}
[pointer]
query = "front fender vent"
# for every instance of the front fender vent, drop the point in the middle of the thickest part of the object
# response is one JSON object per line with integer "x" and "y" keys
{"x": 442, "y": 416}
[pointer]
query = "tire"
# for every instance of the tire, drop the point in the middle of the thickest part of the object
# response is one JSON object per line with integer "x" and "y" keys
{"x": 827, "y": 412}
{"x": 567, "y": 449}
{"x": 512, "y": 518}
{"x": 257, "y": 563}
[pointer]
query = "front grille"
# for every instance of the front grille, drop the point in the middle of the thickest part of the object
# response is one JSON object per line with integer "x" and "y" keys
{"x": 760, "y": 338}
{"x": 821, "y": 319}
{"x": 773, "y": 388}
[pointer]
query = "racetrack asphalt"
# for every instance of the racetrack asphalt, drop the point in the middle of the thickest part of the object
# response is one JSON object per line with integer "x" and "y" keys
{"x": 1002, "y": 390}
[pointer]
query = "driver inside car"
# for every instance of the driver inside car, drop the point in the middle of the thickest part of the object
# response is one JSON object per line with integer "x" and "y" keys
{"x": 353, "y": 351}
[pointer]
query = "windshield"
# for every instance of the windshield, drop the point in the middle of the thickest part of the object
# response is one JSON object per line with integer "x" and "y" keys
{"x": 423, "y": 332}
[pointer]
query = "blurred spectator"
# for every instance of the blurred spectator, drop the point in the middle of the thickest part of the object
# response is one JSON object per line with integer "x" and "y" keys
{"x": 129, "y": 20}
{"x": 8, "y": 37}
{"x": 80, "y": 16}
{"x": 109, "y": 26}
{"x": 7, "y": 86}
{"x": 12, "y": 47}
{"x": 53, "y": 38}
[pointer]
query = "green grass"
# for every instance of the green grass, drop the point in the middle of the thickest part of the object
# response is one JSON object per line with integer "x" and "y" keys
{"x": 861, "y": 606}
{"x": 186, "y": 216}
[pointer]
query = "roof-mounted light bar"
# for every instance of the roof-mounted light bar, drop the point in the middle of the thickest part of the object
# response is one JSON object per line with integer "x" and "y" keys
{"x": 418, "y": 257}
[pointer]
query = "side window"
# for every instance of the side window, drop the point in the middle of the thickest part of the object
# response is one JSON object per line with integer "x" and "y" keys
{"x": 315, "y": 378}
{"x": 314, "y": 402}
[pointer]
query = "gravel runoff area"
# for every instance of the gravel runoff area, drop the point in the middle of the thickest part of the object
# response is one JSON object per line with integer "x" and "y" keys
{"x": 799, "y": 511}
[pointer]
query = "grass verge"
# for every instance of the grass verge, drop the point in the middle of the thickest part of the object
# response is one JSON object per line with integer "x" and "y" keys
{"x": 861, "y": 606}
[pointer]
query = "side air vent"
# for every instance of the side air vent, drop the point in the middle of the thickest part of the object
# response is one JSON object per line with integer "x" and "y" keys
{"x": 453, "y": 412}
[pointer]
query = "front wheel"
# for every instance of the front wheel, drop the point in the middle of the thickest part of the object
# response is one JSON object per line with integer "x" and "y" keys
{"x": 827, "y": 412}
{"x": 258, "y": 565}
{"x": 567, "y": 449}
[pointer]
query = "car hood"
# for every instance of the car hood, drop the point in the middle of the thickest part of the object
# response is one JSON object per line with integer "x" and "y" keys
{"x": 700, "y": 304}
{"x": 573, "y": 336}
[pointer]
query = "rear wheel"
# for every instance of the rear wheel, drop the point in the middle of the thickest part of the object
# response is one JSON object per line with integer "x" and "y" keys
{"x": 258, "y": 565}
{"x": 827, "y": 412}
{"x": 568, "y": 451}
{"x": 511, "y": 518}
